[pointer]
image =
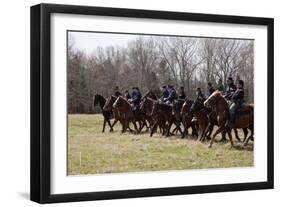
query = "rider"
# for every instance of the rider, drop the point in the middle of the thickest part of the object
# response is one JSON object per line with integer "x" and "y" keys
{"x": 117, "y": 92}
{"x": 210, "y": 89}
{"x": 172, "y": 95}
{"x": 136, "y": 99}
{"x": 220, "y": 85}
{"x": 236, "y": 101}
{"x": 199, "y": 94}
{"x": 182, "y": 95}
{"x": 165, "y": 93}
{"x": 230, "y": 89}
{"x": 127, "y": 95}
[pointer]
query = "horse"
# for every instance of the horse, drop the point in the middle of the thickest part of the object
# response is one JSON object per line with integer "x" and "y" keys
{"x": 176, "y": 107}
{"x": 108, "y": 106}
{"x": 207, "y": 119}
{"x": 124, "y": 107}
{"x": 107, "y": 114}
{"x": 166, "y": 113}
{"x": 146, "y": 108}
{"x": 245, "y": 120}
{"x": 200, "y": 112}
{"x": 187, "y": 118}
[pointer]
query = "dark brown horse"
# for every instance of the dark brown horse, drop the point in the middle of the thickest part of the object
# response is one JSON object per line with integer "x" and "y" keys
{"x": 107, "y": 114}
{"x": 126, "y": 114}
{"x": 154, "y": 121}
{"x": 108, "y": 106}
{"x": 245, "y": 120}
{"x": 166, "y": 113}
{"x": 187, "y": 118}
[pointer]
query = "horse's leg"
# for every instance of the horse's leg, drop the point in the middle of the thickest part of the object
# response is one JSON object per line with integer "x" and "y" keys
{"x": 223, "y": 136}
{"x": 152, "y": 129}
{"x": 126, "y": 124}
{"x": 136, "y": 127}
{"x": 168, "y": 129}
{"x": 179, "y": 128}
{"x": 109, "y": 124}
{"x": 175, "y": 130}
{"x": 205, "y": 131}
{"x": 250, "y": 137}
{"x": 220, "y": 129}
{"x": 104, "y": 122}
{"x": 194, "y": 130}
{"x": 210, "y": 130}
{"x": 115, "y": 121}
{"x": 230, "y": 137}
{"x": 245, "y": 130}
{"x": 236, "y": 135}
{"x": 184, "y": 131}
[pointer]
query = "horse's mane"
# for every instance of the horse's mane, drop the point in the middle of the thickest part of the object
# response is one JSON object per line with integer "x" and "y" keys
{"x": 150, "y": 94}
{"x": 124, "y": 100}
{"x": 99, "y": 99}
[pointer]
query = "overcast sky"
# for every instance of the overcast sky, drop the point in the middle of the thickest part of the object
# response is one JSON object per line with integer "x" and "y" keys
{"x": 89, "y": 41}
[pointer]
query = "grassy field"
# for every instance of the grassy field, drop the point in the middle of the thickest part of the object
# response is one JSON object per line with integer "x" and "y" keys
{"x": 90, "y": 151}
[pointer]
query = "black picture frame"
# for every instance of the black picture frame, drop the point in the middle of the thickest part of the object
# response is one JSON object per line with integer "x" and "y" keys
{"x": 41, "y": 99}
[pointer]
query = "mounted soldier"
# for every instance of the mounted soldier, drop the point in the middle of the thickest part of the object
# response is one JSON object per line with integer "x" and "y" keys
{"x": 117, "y": 92}
{"x": 210, "y": 89}
{"x": 220, "y": 85}
{"x": 136, "y": 99}
{"x": 127, "y": 95}
{"x": 182, "y": 95}
{"x": 199, "y": 94}
{"x": 165, "y": 93}
{"x": 230, "y": 89}
{"x": 172, "y": 95}
{"x": 237, "y": 100}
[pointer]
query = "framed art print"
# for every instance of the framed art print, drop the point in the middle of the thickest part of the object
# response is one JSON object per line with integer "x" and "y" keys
{"x": 133, "y": 103}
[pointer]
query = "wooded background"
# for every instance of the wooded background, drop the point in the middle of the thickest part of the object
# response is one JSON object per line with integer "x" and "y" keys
{"x": 152, "y": 61}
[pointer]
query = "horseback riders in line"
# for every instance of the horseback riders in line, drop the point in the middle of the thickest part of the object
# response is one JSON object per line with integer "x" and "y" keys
{"x": 234, "y": 95}
{"x": 175, "y": 108}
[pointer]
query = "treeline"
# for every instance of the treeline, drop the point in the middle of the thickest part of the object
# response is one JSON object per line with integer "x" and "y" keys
{"x": 152, "y": 61}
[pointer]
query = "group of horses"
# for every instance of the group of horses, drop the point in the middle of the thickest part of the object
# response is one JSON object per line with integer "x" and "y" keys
{"x": 200, "y": 115}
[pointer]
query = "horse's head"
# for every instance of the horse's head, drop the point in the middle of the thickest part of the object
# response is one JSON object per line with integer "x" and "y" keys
{"x": 96, "y": 99}
{"x": 213, "y": 99}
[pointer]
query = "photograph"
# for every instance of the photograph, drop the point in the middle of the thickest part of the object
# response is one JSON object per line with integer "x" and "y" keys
{"x": 141, "y": 103}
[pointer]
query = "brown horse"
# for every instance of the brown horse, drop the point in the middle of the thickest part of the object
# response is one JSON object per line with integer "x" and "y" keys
{"x": 207, "y": 119}
{"x": 167, "y": 116}
{"x": 126, "y": 114}
{"x": 108, "y": 106}
{"x": 187, "y": 118}
{"x": 154, "y": 121}
{"x": 245, "y": 120}
{"x": 107, "y": 114}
